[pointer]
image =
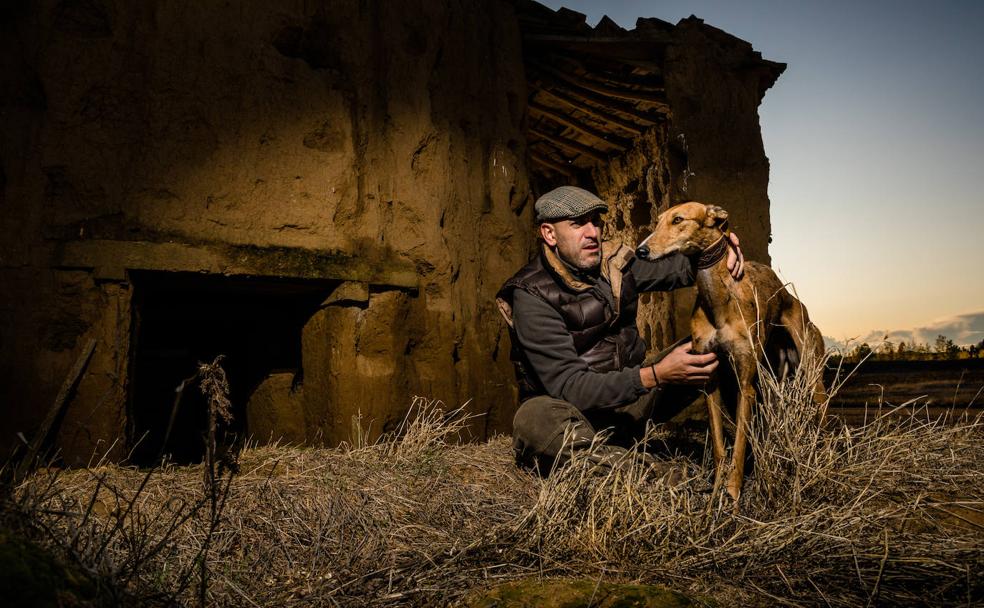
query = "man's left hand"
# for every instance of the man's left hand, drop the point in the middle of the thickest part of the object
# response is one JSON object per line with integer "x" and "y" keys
{"x": 736, "y": 260}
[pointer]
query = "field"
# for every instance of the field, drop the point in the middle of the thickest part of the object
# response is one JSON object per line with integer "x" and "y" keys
{"x": 935, "y": 387}
{"x": 883, "y": 513}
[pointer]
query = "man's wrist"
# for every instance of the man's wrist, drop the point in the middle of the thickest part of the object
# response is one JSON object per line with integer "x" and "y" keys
{"x": 649, "y": 377}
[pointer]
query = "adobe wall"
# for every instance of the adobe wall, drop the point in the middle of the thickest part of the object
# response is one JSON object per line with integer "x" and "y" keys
{"x": 378, "y": 145}
{"x": 384, "y": 137}
{"x": 710, "y": 150}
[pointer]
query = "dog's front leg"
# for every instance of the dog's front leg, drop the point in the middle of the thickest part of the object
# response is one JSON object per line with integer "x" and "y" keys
{"x": 746, "y": 397}
{"x": 715, "y": 414}
{"x": 704, "y": 337}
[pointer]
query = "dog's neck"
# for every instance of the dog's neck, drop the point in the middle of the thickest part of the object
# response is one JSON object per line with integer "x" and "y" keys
{"x": 713, "y": 254}
{"x": 713, "y": 276}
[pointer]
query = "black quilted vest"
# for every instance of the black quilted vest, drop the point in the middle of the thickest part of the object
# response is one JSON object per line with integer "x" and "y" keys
{"x": 606, "y": 341}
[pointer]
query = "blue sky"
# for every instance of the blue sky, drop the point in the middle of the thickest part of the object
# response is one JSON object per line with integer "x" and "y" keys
{"x": 875, "y": 134}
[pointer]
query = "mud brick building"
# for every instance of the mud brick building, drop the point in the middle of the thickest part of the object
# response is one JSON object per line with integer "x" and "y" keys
{"x": 328, "y": 193}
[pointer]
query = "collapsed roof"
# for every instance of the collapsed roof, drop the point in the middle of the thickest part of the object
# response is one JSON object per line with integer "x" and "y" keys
{"x": 593, "y": 90}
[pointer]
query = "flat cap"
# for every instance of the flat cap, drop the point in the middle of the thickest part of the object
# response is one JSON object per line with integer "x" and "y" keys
{"x": 567, "y": 202}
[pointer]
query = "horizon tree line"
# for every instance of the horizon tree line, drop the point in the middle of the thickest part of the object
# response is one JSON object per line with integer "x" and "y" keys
{"x": 942, "y": 348}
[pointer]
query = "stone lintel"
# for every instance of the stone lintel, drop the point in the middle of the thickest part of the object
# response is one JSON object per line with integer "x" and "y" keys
{"x": 110, "y": 260}
{"x": 349, "y": 292}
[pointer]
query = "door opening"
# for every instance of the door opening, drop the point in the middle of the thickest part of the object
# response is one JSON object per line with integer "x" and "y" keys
{"x": 180, "y": 319}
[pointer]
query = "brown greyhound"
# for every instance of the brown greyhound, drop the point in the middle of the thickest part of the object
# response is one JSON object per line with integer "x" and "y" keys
{"x": 742, "y": 321}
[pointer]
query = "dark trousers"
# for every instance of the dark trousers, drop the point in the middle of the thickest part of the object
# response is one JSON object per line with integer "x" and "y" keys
{"x": 546, "y": 430}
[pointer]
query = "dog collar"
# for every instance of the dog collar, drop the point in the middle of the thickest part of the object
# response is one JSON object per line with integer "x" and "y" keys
{"x": 713, "y": 254}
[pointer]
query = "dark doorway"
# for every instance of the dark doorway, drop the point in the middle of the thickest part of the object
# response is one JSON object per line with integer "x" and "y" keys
{"x": 180, "y": 319}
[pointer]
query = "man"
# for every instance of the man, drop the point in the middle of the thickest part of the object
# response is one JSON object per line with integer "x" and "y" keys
{"x": 575, "y": 344}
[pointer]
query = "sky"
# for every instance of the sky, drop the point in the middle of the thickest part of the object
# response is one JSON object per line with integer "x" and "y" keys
{"x": 875, "y": 135}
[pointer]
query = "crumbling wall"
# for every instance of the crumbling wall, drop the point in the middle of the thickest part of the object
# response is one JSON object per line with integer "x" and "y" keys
{"x": 638, "y": 185}
{"x": 374, "y": 131}
{"x": 377, "y": 146}
{"x": 709, "y": 150}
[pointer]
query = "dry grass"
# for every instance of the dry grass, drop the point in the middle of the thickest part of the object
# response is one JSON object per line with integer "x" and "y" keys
{"x": 888, "y": 513}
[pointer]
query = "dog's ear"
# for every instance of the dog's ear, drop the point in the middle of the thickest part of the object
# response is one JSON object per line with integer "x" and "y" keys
{"x": 715, "y": 216}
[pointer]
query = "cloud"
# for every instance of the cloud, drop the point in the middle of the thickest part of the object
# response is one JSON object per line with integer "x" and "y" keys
{"x": 834, "y": 343}
{"x": 962, "y": 329}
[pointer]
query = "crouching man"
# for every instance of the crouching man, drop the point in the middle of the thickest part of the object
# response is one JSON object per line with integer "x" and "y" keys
{"x": 575, "y": 344}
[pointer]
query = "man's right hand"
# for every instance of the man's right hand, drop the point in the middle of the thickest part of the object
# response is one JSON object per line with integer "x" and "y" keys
{"x": 681, "y": 366}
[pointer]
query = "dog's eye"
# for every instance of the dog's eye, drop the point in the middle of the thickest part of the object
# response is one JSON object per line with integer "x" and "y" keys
{"x": 677, "y": 219}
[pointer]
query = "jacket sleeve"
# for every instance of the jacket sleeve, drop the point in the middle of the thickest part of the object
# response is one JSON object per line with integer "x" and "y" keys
{"x": 550, "y": 350}
{"x": 665, "y": 274}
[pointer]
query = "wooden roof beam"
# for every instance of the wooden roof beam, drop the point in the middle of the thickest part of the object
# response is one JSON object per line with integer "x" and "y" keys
{"x": 570, "y": 145}
{"x": 595, "y": 70}
{"x": 605, "y": 91}
{"x": 567, "y": 121}
{"x": 581, "y": 96}
{"x": 552, "y": 164}
{"x": 576, "y": 92}
{"x": 650, "y": 65}
{"x": 581, "y": 106}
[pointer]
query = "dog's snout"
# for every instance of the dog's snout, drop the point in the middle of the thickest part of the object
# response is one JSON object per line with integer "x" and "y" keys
{"x": 642, "y": 251}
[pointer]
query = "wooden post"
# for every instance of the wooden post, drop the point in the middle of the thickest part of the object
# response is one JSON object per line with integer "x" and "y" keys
{"x": 61, "y": 401}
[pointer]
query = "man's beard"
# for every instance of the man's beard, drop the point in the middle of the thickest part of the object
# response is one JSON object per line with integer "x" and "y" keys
{"x": 589, "y": 268}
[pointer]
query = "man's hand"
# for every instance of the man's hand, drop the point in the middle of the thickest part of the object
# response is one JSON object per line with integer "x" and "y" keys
{"x": 680, "y": 366}
{"x": 736, "y": 261}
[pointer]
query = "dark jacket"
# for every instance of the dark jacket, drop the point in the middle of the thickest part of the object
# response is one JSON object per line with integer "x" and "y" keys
{"x": 575, "y": 338}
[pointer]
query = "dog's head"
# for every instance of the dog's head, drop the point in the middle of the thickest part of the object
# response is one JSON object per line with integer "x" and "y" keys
{"x": 688, "y": 228}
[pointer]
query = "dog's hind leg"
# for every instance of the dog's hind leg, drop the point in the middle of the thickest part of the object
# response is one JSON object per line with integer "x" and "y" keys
{"x": 781, "y": 354}
{"x": 809, "y": 344}
{"x": 814, "y": 342}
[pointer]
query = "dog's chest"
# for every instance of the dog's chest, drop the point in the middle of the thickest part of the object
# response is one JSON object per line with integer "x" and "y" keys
{"x": 719, "y": 339}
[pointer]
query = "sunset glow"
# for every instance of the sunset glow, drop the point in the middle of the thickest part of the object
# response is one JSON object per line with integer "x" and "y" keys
{"x": 875, "y": 135}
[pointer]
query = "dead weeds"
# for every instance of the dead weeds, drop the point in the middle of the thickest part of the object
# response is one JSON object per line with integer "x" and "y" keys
{"x": 883, "y": 514}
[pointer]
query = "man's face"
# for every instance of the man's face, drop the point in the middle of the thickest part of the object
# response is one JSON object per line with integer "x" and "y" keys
{"x": 578, "y": 240}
